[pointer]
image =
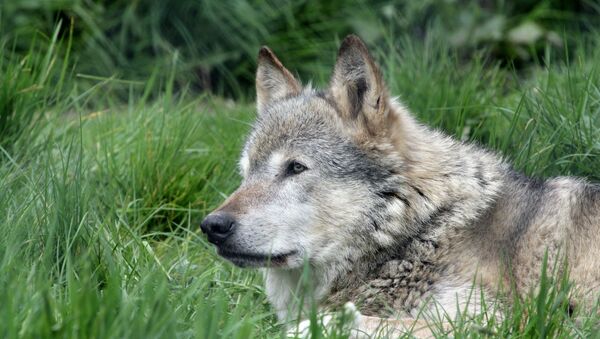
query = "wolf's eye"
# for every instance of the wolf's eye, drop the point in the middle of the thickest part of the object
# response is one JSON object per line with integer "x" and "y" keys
{"x": 295, "y": 167}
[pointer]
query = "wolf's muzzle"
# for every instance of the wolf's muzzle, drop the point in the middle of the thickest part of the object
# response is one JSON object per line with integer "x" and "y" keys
{"x": 218, "y": 227}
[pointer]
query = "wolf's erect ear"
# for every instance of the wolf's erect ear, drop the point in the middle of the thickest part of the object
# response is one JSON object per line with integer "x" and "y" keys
{"x": 357, "y": 85}
{"x": 273, "y": 81}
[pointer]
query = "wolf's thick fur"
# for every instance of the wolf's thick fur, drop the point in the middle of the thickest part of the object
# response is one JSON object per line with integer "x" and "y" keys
{"x": 390, "y": 214}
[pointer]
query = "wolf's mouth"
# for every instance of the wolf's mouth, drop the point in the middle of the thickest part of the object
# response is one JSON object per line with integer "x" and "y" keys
{"x": 254, "y": 259}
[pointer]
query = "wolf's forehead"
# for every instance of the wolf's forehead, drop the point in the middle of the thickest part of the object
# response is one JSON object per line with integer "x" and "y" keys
{"x": 296, "y": 123}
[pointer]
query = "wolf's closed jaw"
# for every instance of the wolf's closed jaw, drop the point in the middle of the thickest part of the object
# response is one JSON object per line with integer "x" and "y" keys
{"x": 253, "y": 259}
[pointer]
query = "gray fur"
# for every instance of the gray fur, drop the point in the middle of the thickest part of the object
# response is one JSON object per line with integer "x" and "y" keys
{"x": 392, "y": 215}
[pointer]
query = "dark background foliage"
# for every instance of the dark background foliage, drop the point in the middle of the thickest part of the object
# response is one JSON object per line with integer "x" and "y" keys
{"x": 214, "y": 42}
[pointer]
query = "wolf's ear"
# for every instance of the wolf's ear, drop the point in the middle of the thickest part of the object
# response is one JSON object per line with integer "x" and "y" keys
{"x": 357, "y": 85}
{"x": 273, "y": 81}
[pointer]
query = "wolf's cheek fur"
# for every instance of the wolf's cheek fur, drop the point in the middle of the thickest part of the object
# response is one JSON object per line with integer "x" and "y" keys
{"x": 339, "y": 210}
{"x": 317, "y": 222}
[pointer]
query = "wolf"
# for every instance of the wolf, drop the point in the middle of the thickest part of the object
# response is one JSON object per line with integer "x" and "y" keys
{"x": 397, "y": 218}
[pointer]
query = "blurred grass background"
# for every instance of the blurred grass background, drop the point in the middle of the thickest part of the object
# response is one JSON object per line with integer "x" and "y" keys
{"x": 121, "y": 122}
{"x": 216, "y": 41}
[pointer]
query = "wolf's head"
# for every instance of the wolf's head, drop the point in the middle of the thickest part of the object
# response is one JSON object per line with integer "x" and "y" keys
{"x": 323, "y": 171}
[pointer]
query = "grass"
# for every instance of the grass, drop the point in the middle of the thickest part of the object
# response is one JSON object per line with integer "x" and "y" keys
{"x": 101, "y": 198}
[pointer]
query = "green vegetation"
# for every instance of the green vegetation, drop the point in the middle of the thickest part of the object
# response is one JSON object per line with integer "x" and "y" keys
{"x": 112, "y": 149}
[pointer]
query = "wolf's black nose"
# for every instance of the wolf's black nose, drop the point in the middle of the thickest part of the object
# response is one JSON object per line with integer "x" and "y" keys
{"x": 218, "y": 227}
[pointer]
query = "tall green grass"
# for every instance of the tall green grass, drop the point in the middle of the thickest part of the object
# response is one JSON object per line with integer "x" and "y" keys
{"x": 30, "y": 84}
{"x": 100, "y": 198}
{"x": 81, "y": 255}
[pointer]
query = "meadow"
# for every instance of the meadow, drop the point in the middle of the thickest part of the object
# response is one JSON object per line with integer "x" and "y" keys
{"x": 107, "y": 170}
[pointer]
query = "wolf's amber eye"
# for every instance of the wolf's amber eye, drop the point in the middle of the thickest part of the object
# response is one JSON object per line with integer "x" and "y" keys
{"x": 295, "y": 168}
